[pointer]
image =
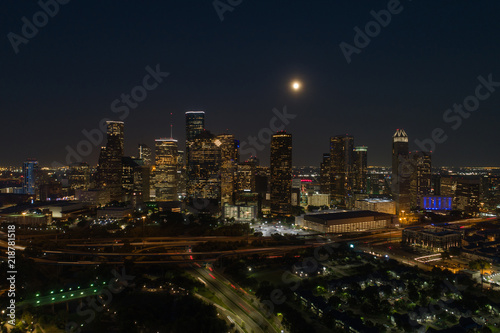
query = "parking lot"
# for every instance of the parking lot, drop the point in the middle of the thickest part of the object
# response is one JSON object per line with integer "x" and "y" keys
{"x": 268, "y": 229}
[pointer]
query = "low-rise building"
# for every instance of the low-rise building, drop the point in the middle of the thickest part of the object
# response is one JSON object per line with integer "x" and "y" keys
{"x": 346, "y": 221}
{"x": 377, "y": 205}
{"x": 436, "y": 239}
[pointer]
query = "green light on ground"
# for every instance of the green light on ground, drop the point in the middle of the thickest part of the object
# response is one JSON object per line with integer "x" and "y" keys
{"x": 53, "y": 298}
{"x": 81, "y": 293}
{"x": 37, "y": 295}
{"x": 37, "y": 302}
{"x": 95, "y": 290}
{"x": 61, "y": 290}
{"x": 64, "y": 297}
{"x": 91, "y": 284}
{"x": 72, "y": 295}
{"x": 78, "y": 287}
{"x": 52, "y": 292}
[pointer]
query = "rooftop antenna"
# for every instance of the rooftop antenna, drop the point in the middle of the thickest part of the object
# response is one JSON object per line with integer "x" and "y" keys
{"x": 171, "y": 125}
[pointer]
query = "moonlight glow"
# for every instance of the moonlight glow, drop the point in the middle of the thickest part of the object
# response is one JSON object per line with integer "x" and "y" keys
{"x": 296, "y": 85}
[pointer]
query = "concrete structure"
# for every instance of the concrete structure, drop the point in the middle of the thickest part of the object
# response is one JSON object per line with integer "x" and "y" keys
{"x": 319, "y": 200}
{"x": 435, "y": 239}
{"x": 241, "y": 213}
{"x": 114, "y": 212}
{"x": 346, "y": 221}
{"x": 377, "y": 205}
{"x": 64, "y": 209}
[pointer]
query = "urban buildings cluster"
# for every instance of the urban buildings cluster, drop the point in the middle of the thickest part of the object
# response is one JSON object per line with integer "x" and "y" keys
{"x": 209, "y": 175}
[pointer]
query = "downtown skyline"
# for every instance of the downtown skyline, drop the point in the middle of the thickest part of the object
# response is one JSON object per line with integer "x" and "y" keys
{"x": 396, "y": 81}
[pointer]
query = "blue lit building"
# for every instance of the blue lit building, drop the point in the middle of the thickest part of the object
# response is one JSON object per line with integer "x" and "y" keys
{"x": 29, "y": 176}
{"x": 437, "y": 203}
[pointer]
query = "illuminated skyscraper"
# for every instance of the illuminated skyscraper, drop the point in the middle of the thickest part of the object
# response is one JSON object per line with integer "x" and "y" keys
{"x": 421, "y": 176}
{"x": 341, "y": 168}
{"x": 229, "y": 150}
{"x": 79, "y": 176}
{"x": 203, "y": 167}
{"x": 110, "y": 160}
{"x": 360, "y": 169}
{"x": 145, "y": 154}
{"x": 195, "y": 124}
{"x": 325, "y": 174}
{"x": 30, "y": 168}
{"x": 401, "y": 172}
{"x": 165, "y": 171}
{"x": 281, "y": 173}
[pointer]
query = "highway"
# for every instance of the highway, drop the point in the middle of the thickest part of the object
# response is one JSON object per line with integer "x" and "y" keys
{"x": 250, "y": 316}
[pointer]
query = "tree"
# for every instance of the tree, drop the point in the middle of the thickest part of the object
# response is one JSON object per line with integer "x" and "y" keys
{"x": 480, "y": 265}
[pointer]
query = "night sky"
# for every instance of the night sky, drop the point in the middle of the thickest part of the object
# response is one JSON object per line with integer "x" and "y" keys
{"x": 64, "y": 79}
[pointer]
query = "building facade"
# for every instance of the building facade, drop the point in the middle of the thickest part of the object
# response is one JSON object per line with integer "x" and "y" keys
{"x": 401, "y": 174}
{"x": 110, "y": 160}
{"x": 165, "y": 170}
{"x": 281, "y": 174}
{"x": 341, "y": 168}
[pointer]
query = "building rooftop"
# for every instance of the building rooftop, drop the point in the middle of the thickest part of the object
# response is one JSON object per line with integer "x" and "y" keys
{"x": 346, "y": 215}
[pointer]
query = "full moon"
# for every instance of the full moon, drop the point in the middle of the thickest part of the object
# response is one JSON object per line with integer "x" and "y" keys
{"x": 296, "y": 85}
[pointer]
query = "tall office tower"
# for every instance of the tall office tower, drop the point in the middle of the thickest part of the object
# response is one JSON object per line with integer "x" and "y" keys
{"x": 165, "y": 171}
{"x": 110, "y": 161}
{"x": 203, "y": 167}
{"x": 135, "y": 180}
{"x": 229, "y": 152}
{"x": 245, "y": 179}
{"x": 195, "y": 124}
{"x": 79, "y": 176}
{"x": 401, "y": 172}
{"x": 281, "y": 174}
{"x": 324, "y": 177}
{"x": 181, "y": 173}
{"x": 30, "y": 171}
{"x": 341, "y": 169}
{"x": 360, "y": 169}
{"x": 145, "y": 154}
{"x": 467, "y": 195}
{"x": 447, "y": 186}
{"x": 129, "y": 165}
{"x": 421, "y": 176}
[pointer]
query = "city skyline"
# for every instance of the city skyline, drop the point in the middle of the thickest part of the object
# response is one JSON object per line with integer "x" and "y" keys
{"x": 71, "y": 88}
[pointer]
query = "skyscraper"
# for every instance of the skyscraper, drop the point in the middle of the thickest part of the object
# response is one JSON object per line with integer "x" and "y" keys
{"x": 110, "y": 160}
{"x": 401, "y": 172}
{"x": 360, "y": 169}
{"x": 341, "y": 168}
{"x": 195, "y": 124}
{"x": 229, "y": 148}
{"x": 203, "y": 167}
{"x": 325, "y": 174}
{"x": 30, "y": 168}
{"x": 145, "y": 154}
{"x": 421, "y": 176}
{"x": 281, "y": 174}
{"x": 165, "y": 171}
